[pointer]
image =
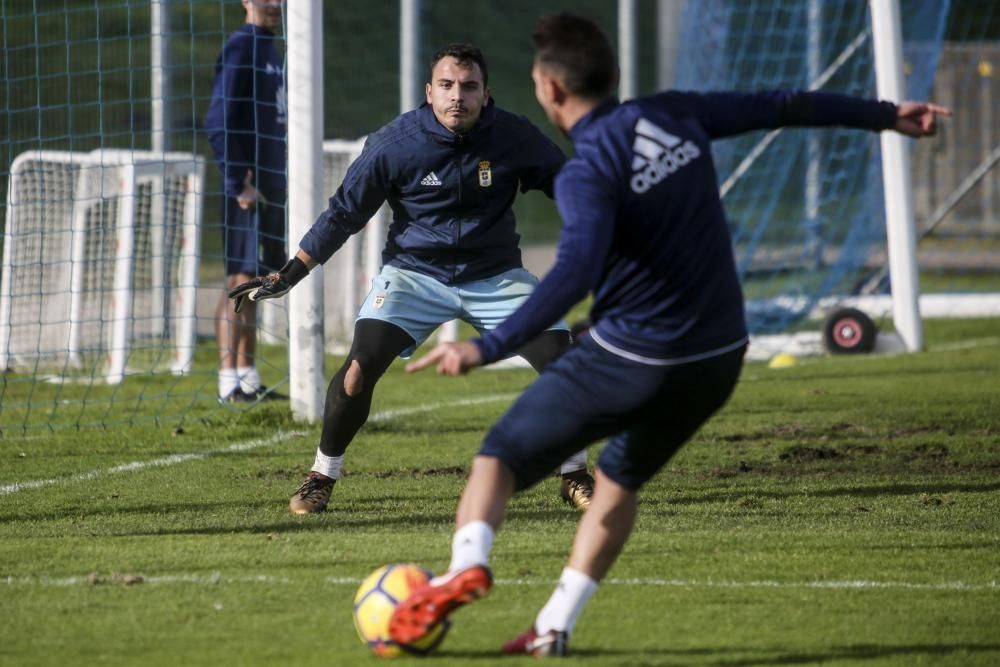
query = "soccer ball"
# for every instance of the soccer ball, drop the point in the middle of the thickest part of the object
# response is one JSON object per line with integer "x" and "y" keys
{"x": 375, "y": 601}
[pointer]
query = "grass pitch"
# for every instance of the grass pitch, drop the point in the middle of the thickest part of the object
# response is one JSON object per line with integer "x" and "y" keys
{"x": 843, "y": 511}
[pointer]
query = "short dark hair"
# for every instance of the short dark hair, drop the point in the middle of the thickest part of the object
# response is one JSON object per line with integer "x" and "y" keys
{"x": 465, "y": 54}
{"x": 578, "y": 52}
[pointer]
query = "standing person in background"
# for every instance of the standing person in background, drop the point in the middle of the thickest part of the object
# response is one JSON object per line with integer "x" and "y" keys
{"x": 247, "y": 127}
{"x": 450, "y": 171}
{"x": 644, "y": 231}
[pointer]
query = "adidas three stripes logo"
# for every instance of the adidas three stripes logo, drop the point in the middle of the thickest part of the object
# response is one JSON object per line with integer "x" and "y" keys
{"x": 657, "y": 155}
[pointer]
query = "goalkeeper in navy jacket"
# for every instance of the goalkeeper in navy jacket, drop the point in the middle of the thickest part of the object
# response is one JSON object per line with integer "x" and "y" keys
{"x": 644, "y": 232}
{"x": 246, "y": 125}
{"x": 450, "y": 171}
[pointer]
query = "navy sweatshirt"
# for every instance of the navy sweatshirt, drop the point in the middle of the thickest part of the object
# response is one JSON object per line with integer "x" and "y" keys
{"x": 246, "y": 120}
{"x": 644, "y": 228}
{"x": 450, "y": 194}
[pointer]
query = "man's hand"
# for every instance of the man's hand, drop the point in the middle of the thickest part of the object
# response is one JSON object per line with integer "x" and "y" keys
{"x": 250, "y": 196}
{"x": 919, "y": 119}
{"x": 272, "y": 285}
{"x": 451, "y": 359}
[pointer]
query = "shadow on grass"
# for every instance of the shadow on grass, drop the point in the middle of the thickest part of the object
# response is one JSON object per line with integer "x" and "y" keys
{"x": 355, "y": 512}
{"x": 718, "y": 656}
{"x": 304, "y": 525}
{"x": 859, "y": 652}
{"x": 862, "y": 371}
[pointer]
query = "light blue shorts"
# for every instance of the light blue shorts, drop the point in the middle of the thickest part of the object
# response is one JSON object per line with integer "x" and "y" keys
{"x": 419, "y": 304}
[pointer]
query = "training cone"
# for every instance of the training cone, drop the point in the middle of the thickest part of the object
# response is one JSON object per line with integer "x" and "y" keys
{"x": 782, "y": 361}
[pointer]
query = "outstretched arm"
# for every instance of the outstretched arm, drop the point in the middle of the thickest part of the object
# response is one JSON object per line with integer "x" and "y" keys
{"x": 273, "y": 285}
{"x": 354, "y": 203}
{"x": 451, "y": 358}
{"x": 919, "y": 119}
{"x": 364, "y": 189}
{"x": 724, "y": 114}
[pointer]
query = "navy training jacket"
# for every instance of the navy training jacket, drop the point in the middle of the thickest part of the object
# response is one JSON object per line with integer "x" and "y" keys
{"x": 246, "y": 119}
{"x": 450, "y": 194}
{"x": 644, "y": 228}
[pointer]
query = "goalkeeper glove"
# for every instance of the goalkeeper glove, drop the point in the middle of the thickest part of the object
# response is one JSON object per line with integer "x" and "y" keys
{"x": 270, "y": 286}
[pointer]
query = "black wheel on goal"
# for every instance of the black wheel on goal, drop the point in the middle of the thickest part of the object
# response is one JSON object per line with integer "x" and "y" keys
{"x": 849, "y": 331}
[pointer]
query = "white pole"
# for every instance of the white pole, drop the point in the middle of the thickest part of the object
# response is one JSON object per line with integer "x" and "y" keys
{"x": 305, "y": 202}
{"x": 88, "y": 187}
{"x": 628, "y": 86}
{"x": 121, "y": 299}
{"x": 411, "y": 92}
{"x": 159, "y": 50}
{"x": 813, "y": 232}
{"x": 669, "y": 15}
{"x": 157, "y": 243}
{"x": 186, "y": 306}
{"x": 887, "y": 37}
{"x": 7, "y": 270}
{"x": 986, "y": 122}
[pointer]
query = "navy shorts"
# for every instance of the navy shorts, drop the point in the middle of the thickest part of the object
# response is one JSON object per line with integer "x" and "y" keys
{"x": 587, "y": 394}
{"x": 254, "y": 239}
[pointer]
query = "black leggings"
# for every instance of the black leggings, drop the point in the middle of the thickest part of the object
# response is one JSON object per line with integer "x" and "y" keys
{"x": 376, "y": 344}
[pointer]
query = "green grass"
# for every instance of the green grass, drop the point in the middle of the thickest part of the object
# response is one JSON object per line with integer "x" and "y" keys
{"x": 37, "y": 405}
{"x": 843, "y": 511}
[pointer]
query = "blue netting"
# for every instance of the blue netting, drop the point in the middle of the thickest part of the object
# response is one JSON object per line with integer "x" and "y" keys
{"x": 807, "y": 218}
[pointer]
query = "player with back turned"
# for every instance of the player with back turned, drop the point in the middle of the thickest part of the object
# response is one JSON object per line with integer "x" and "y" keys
{"x": 644, "y": 232}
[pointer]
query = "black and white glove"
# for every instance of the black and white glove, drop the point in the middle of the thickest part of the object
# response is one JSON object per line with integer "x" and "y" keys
{"x": 270, "y": 286}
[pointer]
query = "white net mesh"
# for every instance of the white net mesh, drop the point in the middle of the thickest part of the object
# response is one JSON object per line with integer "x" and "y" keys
{"x": 93, "y": 273}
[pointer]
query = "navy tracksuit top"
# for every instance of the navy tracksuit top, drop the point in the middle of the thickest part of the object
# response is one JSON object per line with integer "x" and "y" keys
{"x": 450, "y": 194}
{"x": 247, "y": 117}
{"x": 643, "y": 224}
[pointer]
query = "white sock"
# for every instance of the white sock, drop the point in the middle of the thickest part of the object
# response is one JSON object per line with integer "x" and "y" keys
{"x": 228, "y": 381}
{"x": 328, "y": 465}
{"x": 249, "y": 378}
{"x": 567, "y": 601}
{"x": 576, "y": 462}
{"x": 471, "y": 545}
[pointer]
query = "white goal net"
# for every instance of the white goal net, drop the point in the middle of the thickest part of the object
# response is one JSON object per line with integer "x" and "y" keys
{"x": 100, "y": 262}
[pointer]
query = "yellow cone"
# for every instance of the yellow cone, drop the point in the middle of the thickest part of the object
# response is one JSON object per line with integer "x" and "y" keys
{"x": 782, "y": 361}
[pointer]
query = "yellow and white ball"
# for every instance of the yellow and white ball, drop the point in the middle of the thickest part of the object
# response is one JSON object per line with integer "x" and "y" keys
{"x": 377, "y": 598}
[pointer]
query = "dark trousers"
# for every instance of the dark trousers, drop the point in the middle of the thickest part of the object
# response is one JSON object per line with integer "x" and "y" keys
{"x": 588, "y": 394}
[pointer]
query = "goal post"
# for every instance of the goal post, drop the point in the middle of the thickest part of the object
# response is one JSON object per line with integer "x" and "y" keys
{"x": 23, "y": 320}
{"x": 304, "y": 71}
{"x": 887, "y": 42}
{"x": 815, "y": 213}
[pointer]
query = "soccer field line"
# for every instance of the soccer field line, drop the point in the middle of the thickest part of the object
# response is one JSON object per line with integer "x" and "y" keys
{"x": 713, "y": 583}
{"x": 281, "y": 436}
{"x": 218, "y": 578}
{"x": 429, "y": 407}
{"x": 965, "y": 344}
